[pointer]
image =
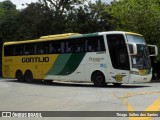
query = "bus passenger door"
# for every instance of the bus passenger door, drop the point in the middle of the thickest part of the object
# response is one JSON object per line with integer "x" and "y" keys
{"x": 122, "y": 72}
{"x": 119, "y": 69}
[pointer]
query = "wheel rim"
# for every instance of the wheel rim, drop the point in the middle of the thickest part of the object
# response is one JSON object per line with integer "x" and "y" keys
{"x": 99, "y": 79}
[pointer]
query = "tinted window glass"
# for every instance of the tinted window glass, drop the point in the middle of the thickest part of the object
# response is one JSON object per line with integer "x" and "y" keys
{"x": 118, "y": 51}
{"x": 42, "y": 48}
{"x": 29, "y": 49}
{"x": 95, "y": 44}
{"x": 75, "y": 45}
{"x": 8, "y": 50}
{"x": 54, "y": 47}
{"x": 19, "y": 49}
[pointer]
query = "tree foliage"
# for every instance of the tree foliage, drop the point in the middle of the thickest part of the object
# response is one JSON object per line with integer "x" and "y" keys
{"x": 34, "y": 21}
{"x": 141, "y": 16}
{"x": 61, "y": 6}
{"x": 8, "y": 13}
{"x": 88, "y": 18}
{"x": 54, "y": 16}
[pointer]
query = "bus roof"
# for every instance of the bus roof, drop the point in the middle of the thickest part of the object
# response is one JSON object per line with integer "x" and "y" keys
{"x": 68, "y": 35}
{"x": 119, "y": 32}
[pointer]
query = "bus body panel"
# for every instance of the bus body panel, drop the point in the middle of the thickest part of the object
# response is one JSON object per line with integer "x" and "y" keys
{"x": 37, "y": 64}
{"x": 140, "y": 79}
{"x": 118, "y": 76}
{"x": 86, "y": 67}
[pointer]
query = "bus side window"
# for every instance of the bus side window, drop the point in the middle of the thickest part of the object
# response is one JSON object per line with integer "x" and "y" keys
{"x": 79, "y": 45}
{"x": 51, "y": 48}
{"x": 75, "y": 45}
{"x": 95, "y": 44}
{"x": 69, "y": 46}
{"x": 54, "y": 47}
{"x": 9, "y": 50}
{"x": 62, "y": 50}
{"x": 91, "y": 48}
{"x": 101, "y": 46}
{"x": 79, "y": 49}
{"x": 29, "y": 49}
{"x": 42, "y": 48}
{"x": 19, "y": 49}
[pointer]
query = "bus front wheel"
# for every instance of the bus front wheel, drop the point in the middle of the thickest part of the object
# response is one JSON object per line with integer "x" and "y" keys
{"x": 28, "y": 77}
{"x": 98, "y": 79}
{"x": 19, "y": 76}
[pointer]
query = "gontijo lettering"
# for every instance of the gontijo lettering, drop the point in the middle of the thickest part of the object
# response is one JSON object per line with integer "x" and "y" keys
{"x": 35, "y": 59}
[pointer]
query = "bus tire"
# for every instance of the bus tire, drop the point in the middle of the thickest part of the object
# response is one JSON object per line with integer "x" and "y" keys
{"x": 98, "y": 79}
{"x": 19, "y": 76}
{"x": 28, "y": 77}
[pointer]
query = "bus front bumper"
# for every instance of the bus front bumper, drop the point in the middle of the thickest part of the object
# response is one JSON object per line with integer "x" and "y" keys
{"x": 139, "y": 79}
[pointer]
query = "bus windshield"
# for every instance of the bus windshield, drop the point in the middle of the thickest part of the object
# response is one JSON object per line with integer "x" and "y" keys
{"x": 140, "y": 61}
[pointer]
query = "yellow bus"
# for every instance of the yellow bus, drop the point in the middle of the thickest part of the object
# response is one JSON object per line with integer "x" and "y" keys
{"x": 104, "y": 57}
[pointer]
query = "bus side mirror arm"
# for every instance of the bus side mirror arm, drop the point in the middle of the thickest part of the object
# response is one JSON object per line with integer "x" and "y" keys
{"x": 132, "y": 48}
{"x": 155, "y": 50}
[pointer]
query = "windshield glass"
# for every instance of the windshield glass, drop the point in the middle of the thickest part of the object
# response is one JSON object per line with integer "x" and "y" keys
{"x": 135, "y": 39}
{"x": 140, "y": 61}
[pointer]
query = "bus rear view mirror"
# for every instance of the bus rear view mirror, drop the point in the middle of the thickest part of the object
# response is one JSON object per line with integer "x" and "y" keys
{"x": 132, "y": 48}
{"x": 153, "y": 50}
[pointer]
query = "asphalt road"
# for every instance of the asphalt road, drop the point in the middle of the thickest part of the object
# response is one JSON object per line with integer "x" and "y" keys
{"x": 16, "y": 96}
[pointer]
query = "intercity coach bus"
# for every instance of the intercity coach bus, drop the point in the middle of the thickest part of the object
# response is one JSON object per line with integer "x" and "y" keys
{"x": 104, "y": 57}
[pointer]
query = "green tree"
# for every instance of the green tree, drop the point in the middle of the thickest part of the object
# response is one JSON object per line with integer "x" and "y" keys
{"x": 53, "y": 17}
{"x": 34, "y": 21}
{"x": 7, "y": 5}
{"x": 100, "y": 14}
{"x": 63, "y": 11}
{"x": 8, "y": 13}
{"x": 61, "y": 6}
{"x": 91, "y": 17}
{"x": 43, "y": 18}
{"x": 142, "y": 16}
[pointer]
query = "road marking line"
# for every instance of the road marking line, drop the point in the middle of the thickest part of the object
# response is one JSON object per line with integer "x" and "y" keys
{"x": 155, "y": 106}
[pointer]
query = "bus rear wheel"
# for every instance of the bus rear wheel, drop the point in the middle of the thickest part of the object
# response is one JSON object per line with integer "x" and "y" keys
{"x": 19, "y": 76}
{"x": 98, "y": 79}
{"x": 28, "y": 77}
